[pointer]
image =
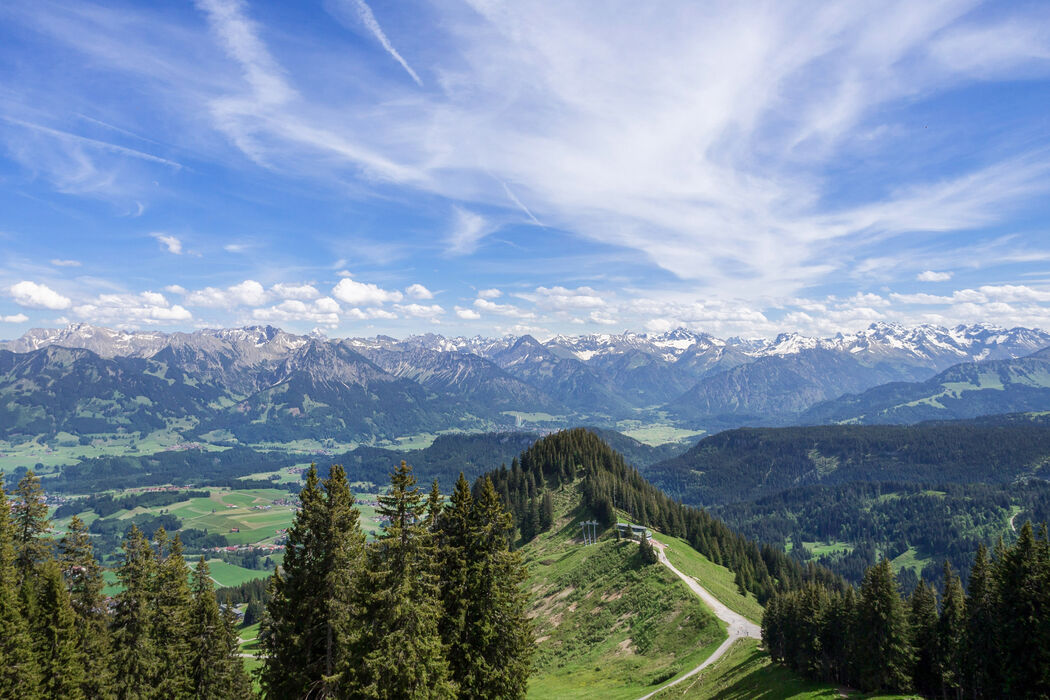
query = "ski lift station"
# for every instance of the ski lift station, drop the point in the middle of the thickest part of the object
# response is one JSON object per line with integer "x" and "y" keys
{"x": 639, "y": 531}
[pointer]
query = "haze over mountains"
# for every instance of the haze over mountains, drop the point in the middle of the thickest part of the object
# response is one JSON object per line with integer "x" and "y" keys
{"x": 261, "y": 383}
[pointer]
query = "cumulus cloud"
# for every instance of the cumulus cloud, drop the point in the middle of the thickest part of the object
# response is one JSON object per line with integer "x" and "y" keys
{"x": 170, "y": 243}
{"x": 490, "y": 293}
{"x": 562, "y": 298}
{"x": 175, "y": 289}
{"x": 931, "y": 276}
{"x": 418, "y": 291}
{"x": 357, "y": 293}
{"x": 371, "y": 314}
{"x": 295, "y": 291}
{"x": 324, "y": 311}
{"x": 502, "y": 309}
{"x": 58, "y": 262}
{"x": 246, "y": 293}
{"x": 38, "y": 296}
{"x": 420, "y": 310}
{"x": 145, "y": 308}
{"x": 467, "y": 314}
{"x": 14, "y": 318}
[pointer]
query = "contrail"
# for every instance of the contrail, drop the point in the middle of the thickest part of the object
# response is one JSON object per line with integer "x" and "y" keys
{"x": 517, "y": 201}
{"x": 369, "y": 19}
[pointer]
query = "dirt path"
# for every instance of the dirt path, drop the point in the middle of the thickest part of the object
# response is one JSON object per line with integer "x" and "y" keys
{"x": 1012, "y": 518}
{"x": 737, "y": 625}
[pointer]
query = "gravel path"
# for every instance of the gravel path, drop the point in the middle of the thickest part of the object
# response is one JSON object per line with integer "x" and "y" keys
{"x": 737, "y": 625}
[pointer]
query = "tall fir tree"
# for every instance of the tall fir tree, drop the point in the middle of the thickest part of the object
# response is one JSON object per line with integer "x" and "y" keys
{"x": 883, "y": 633}
{"x": 342, "y": 565}
{"x": 405, "y": 657}
{"x": 58, "y": 653}
{"x": 19, "y": 673}
{"x": 84, "y": 580}
{"x": 216, "y": 671}
{"x": 923, "y": 618}
{"x": 31, "y": 525}
{"x": 1020, "y": 579}
{"x": 982, "y": 628}
{"x": 135, "y": 659}
{"x": 951, "y": 635}
{"x": 312, "y": 636}
{"x": 171, "y": 624}
{"x": 295, "y": 637}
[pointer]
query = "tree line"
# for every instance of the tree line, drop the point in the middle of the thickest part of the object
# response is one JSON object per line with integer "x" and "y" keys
{"x": 990, "y": 640}
{"x": 162, "y": 636}
{"x": 608, "y": 484}
{"x": 432, "y": 608}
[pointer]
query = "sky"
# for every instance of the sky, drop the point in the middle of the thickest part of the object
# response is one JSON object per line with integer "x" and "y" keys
{"x": 482, "y": 167}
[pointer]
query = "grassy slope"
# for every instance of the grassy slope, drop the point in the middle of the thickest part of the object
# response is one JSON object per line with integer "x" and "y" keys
{"x": 718, "y": 580}
{"x": 608, "y": 626}
{"x": 746, "y": 672}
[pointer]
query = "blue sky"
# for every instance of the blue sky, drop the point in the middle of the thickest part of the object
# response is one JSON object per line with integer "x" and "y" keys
{"x": 483, "y": 167}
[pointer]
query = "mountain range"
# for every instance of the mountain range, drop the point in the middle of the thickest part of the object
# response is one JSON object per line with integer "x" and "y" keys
{"x": 262, "y": 384}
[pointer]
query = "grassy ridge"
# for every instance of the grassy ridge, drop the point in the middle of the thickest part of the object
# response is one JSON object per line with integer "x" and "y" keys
{"x": 746, "y": 672}
{"x": 718, "y": 580}
{"x": 607, "y": 625}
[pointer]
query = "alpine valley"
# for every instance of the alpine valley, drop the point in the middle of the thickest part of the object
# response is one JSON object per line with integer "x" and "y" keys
{"x": 261, "y": 385}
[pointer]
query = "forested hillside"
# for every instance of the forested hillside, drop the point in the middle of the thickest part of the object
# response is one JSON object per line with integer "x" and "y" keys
{"x": 609, "y": 485}
{"x": 986, "y": 642}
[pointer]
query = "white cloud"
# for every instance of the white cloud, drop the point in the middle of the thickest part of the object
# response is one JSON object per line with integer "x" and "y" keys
{"x": 467, "y": 314}
{"x": 295, "y": 291}
{"x": 324, "y": 311}
{"x": 38, "y": 296}
{"x": 418, "y": 291}
{"x": 58, "y": 262}
{"x": 931, "y": 276}
{"x": 14, "y": 318}
{"x": 467, "y": 231}
{"x": 345, "y": 273}
{"x": 172, "y": 244}
{"x": 371, "y": 314}
{"x": 420, "y": 310}
{"x": 363, "y": 293}
{"x": 562, "y": 298}
{"x": 235, "y": 247}
{"x": 175, "y": 289}
{"x": 502, "y": 309}
{"x": 122, "y": 310}
{"x": 246, "y": 293}
{"x": 490, "y": 293}
{"x": 603, "y": 319}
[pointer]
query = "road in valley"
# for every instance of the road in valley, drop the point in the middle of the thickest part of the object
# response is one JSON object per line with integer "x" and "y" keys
{"x": 738, "y": 626}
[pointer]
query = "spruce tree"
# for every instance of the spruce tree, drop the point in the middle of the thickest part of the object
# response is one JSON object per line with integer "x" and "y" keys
{"x": 216, "y": 672}
{"x": 59, "y": 657}
{"x": 1020, "y": 579}
{"x": 547, "y": 512}
{"x": 923, "y": 618}
{"x": 31, "y": 525}
{"x": 982, "y": 628}
{"x": 405, "y": 658}
{"x": 171, "y": 624}
{"x": 84, "y": 580}
{"x": 135, "y": 660}
{"x": 295, "y": 638}
{"x": 951, "y": 634}
{"x": 342, "y": 566}
{"x": 19, "y": 673}
{"x": 883, "y": 634}
{"x": 499, "y": 627}
{"x": 312, "y": 638}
